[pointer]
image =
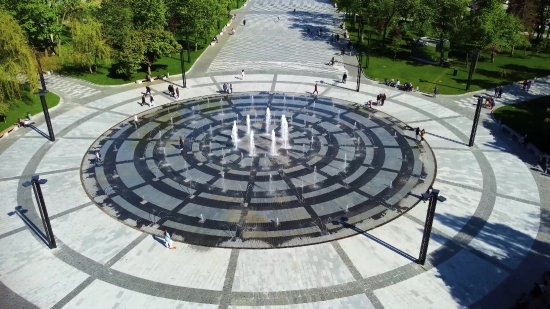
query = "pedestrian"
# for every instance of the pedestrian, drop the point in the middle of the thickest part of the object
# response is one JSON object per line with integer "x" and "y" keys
{"x": 152, "y": 101}
{"x": 500, "y": 90}
{"x": 383, "y": 98}
{"x": 529, "y": 84}
{"x": 147, "y": 90}
{"x": 242, "y": 75}
{"x": 136, "y": 119}
{"x": 337, "y": 38}
{"x": 422, "y": 135}
{"x": 168, "y": 240}
{"x": 98, "y": 157}
{"x": 378, "y": 99}
{"x": 143, "y": 100}
{"x": 230, "y": 87}
{"x": 524, "y": 84}
{"x": 435, "y": 91}
{"x": 224, "y": 87}
{"x": 177, "y": 92}
{"x": 344, "y": 77}
{"x": 332, "y": 61}
{"x": 278, "y": 17}
{"x": 370, "y": 103}
{"x": 492, "y": 104}
{"x": 171, "y": 90}
{"x": 417, "y": 131}
{"x": 315, "y": 90}
{"x": 343, "y": 50}
{"x": 496, "y": 91}
{"x": 244, "y": 22}
{"x": 181, "y": 143}
{"x": 234, "y": 16}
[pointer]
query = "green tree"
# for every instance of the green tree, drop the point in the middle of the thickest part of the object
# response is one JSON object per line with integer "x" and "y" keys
{"x": 16, "y": 61}
{"x": 88, "y": 44}
{"x": 149, "y": 14}
{"x": 145, "y": 48}
{"x": 116, "y": 16}
{"x": 396, "y": 45}
{"x": 38, "y": 20}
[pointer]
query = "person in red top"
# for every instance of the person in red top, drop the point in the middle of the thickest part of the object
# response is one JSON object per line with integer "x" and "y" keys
{"x": 315, "y": 91}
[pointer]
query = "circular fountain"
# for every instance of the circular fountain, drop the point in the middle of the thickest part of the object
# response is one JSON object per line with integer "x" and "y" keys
{"x": 333, "y": 172}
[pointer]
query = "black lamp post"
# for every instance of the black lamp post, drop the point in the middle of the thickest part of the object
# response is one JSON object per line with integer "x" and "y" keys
{"x": 183, "y": 69}
{"x": 359, "y": 69}
{"x": 35, "y": 182}
{"x": 433, "y": 196}
{"x": 476, "y": 121}
{"x": 42, "y": 94}
{"x": 188, "y": 49}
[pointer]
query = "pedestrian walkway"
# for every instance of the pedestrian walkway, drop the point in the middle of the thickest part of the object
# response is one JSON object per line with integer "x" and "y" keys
{"x": 70, "y": 87}
{"x": 276, "y": 38}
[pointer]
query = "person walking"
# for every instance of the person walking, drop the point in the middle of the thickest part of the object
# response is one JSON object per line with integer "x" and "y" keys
{"x": 143, "y": 100}
{"x": 435, "y": 91}
{"x": 378, "y": 99}
{"x": 244, "y": 22}
{"x": 417, "y": 131}
{"x": 98, "y": 157}
{"x": 181, "y": 143}
{"x": 171, "y": 90}
{"x": 230, "y": 87}
{"x": 152, "y": 101}
{"x": 168, "y": 240}
{"x": 383, "y": 98}
{"x": 147, "y": 90}
{"x": 177, "y": 92}
{"x": 529, "y": 83}
{"x": 422, "y": 135}
{"x": 344, "y": 77}
{"x": 332, "y": 61}
{"x": 224, "y": 87}
{"x": 496, "y": 91}
{"x": 136, "y": 119}
{"x": 500, "y": 90}
{"x": 242, "y": 74}
{"x": 315, "y": 91}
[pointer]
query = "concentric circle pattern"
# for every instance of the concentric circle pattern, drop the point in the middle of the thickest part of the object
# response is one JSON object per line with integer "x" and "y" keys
{"x": 237, "y": 182}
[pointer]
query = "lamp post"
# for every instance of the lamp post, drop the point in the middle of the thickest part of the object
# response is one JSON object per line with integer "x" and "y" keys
{"x": 183, "y": 69}
{"x": 476, "y": 121}
{"x": 188, "y": 49}
{"x": 433, "y": 196}
{"x": 35, "y": 182}
{"x": 42, "y": 94}
{"x": 359, "y": 69}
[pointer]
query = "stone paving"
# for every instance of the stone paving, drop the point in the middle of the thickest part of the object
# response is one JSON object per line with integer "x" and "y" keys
{"x": 489, "y": 241}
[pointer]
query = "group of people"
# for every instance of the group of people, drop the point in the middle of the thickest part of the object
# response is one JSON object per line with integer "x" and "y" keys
{"x": 174, "y": 94}
{"x": 151, "y": 99}
{"x": 420, "y": 133}
{"x": 490, "y": 103}
{"x": 228, "y": 89}
{"x": 380, "y": 99}
{"x": 23, "y": 122}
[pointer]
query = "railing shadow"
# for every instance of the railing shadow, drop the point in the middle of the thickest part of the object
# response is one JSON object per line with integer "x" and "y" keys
{"x": 39, "y": 131}
{"x": 19, "y": 211}
{"x": 375, "y": 239}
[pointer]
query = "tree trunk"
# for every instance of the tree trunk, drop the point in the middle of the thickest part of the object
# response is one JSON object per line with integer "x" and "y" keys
{"x": 360, "y": 32}
{"x": 196, "y": 45}
{"x": 492, "y": 56}
{"x": 441, "y": 50}
{"x": 149, "y": 68}
{"x": 467, "y": 54}
{"x": 384, "y": 36}
{"x": 477, "y": 60}
{"x": 512, "y": 51}
{"x": 90, "y": 67}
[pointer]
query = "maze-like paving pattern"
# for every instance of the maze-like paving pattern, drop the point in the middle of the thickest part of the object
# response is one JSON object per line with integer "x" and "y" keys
{"x": 341, "y": 163}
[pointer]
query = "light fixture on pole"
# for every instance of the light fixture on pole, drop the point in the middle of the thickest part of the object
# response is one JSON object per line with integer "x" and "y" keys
{"x": 35, "y": 182}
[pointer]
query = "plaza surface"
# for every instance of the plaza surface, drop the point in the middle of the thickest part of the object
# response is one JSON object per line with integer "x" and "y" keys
{"x": 489, "y": 241}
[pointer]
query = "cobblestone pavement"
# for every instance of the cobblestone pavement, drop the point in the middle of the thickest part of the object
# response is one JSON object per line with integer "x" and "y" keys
{"x": 489, "y": 241}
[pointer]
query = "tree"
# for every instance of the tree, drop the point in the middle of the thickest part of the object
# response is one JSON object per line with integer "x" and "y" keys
{"x": 145, "y": 48}
{"x": 116, "y": 16}
{"x": 88, "y": 44}
{"x": 37, "y": 19}
{"x": 17, "y": 61}
{"x": 396, "y": 45}
{"x": 526, "y": 11}
{"x": 444, "y": 16}
{"x": 149, "y": 14}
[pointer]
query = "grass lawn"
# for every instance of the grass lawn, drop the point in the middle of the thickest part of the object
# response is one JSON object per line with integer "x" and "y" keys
{"x": 529, "y": 118}
{"x": 29, "y": 103}
{"x": 427, "y": 76}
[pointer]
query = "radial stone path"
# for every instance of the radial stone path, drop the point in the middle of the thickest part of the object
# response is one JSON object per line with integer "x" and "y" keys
{"x": 341, "y": 166}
